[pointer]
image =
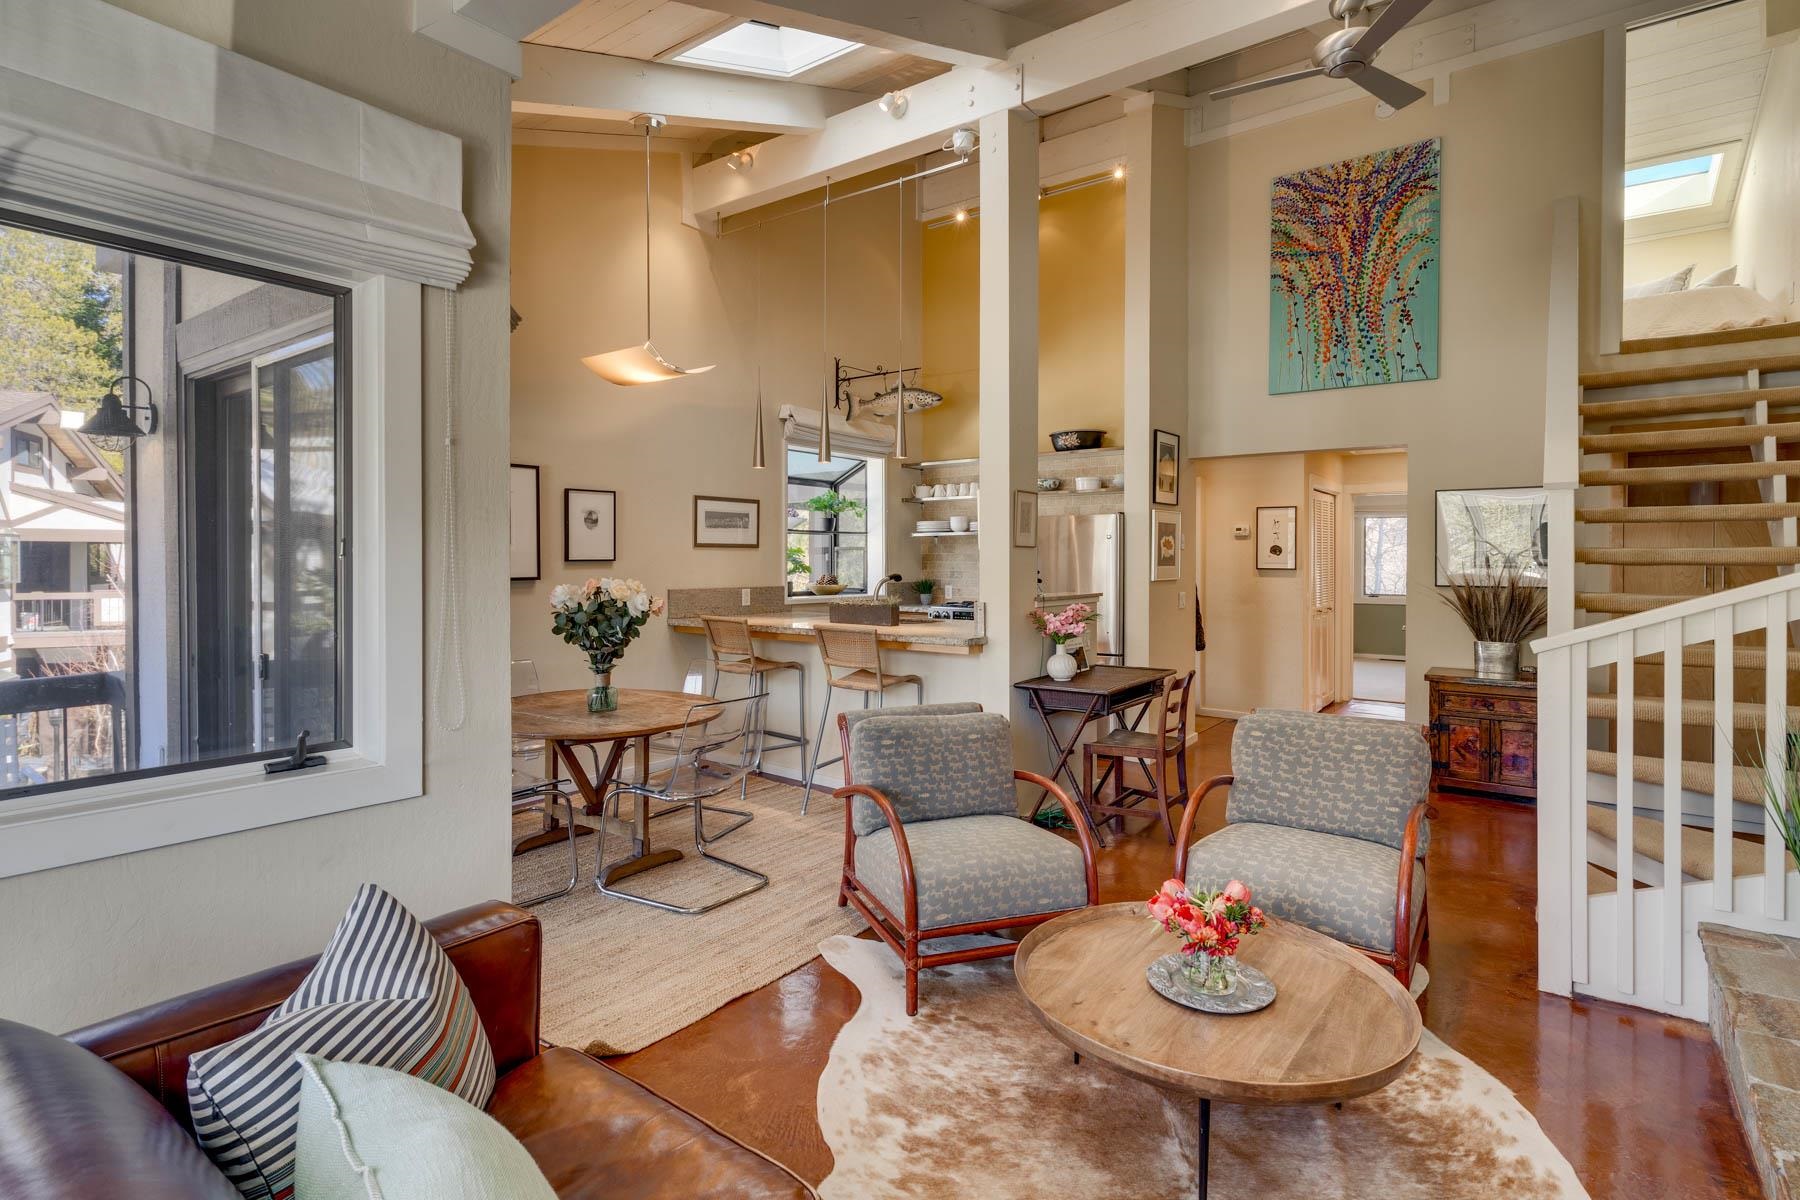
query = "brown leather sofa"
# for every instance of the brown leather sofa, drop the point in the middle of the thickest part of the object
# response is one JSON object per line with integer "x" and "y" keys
{"x": 68, "y": 1129}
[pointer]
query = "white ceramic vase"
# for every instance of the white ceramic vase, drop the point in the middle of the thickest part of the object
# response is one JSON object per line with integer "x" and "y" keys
{"x": 1061, "y": 666}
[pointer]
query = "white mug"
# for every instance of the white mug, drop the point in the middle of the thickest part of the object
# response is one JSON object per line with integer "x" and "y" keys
{"x": 922, "y": 491}
{"x": 937, "y": 489}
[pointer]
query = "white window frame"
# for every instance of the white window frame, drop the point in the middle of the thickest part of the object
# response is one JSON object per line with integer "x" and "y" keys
{"x": 76, "y": 103}
{"x": 1361, "y": 516}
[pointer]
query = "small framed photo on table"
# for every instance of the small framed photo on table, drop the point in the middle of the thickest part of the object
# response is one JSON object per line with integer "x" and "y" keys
{"x": 590, "y": 526}
{"x": 725, "y": 521}
{"x": 1275, "y": 538}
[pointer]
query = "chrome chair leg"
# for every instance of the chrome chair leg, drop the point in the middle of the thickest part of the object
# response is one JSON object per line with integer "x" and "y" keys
{"x": 818, "y": 749}
{"x": 550, "y": 797}
{"x": 758, "y": 880}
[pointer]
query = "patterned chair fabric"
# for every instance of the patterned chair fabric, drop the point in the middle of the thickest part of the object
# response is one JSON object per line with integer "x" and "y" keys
{"x": 1351, "y": 776}
{"x": 971, "y": 869}
{"x": 931, "y": 766}
{"x": 1343, "y": 887}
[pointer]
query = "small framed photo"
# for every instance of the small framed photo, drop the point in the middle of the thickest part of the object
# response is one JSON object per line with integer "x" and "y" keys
{"x": 590, "y": 526}
{"x": 1024, "y": 519}
{"x": 726, "y": 521}
{"x": 1080, "y": 655}
{"x": 522, "y": 523}
{"x": 1165, "y": 469}
{"x": 1275, "y": 538}
{"x": 1165, "y": 545}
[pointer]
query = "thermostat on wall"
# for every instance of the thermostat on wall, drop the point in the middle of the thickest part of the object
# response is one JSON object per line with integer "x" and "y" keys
{"x": 1240, "y": 531}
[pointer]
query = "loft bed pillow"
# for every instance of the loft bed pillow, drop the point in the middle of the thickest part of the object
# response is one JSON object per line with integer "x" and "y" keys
{"x": 1676, "y": 282}
{"x": 1724, "y": 278}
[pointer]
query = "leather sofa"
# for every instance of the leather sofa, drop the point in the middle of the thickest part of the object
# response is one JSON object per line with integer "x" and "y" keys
{"x": 69, "y": 1127}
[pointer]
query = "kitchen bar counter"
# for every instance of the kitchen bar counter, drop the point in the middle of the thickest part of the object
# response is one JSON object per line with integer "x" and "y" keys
{"x": 925, "y": 637}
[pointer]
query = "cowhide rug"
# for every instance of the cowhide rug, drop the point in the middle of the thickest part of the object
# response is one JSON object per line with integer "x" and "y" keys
{"x": 972, "y": 1098}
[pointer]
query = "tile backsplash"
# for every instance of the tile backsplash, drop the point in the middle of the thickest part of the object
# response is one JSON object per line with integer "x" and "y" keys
{"x": 725, "y": 602}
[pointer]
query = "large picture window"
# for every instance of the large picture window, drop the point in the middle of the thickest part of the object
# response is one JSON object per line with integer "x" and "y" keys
{"x": 175, "y": 598}
{"x": 827, "y": 531}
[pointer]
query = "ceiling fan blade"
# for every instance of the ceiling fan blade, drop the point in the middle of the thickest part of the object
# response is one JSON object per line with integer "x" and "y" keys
{"x": 1391, "y": 89}
{"x": 1257, "y": 85}
{"x": 1392, "y": 20}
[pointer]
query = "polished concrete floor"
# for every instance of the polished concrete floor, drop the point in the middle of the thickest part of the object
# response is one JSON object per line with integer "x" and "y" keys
{"x": 1635, "y": 1101}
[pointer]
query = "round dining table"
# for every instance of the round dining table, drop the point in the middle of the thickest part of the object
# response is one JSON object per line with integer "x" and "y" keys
{"x": 561, "y": 720}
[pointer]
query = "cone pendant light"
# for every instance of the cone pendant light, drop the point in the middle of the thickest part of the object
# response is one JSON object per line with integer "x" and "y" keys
{"x": 900, "y": 353}
{"x": 829, "y": 384}
{"x": 758, "y": 458}
{"x": 641, "y": 364}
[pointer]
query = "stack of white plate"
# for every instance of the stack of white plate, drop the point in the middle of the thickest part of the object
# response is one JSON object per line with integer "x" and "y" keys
{"x": 933, "y": 527}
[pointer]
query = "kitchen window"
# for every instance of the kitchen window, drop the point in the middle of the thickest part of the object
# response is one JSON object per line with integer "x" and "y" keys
{"x": 827, "y": 522}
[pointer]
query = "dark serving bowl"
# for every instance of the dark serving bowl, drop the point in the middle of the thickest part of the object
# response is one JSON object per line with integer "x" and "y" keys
{"x": 1076, "y": 439}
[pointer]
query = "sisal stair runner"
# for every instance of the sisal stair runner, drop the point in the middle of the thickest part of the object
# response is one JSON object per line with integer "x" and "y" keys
{"x": 1660, "y": 513}
{"x": 1723, "y": 437}
{"x": 1689, "y": 473}
{"x": 1647, "y": 843}
{"x": 1695, "y": 776}
{"x": 1700, "y": 402}
{"x": 1744, "y": 714}
{"x": 1712, "y": 556}
{"x": 1705, "y": 368}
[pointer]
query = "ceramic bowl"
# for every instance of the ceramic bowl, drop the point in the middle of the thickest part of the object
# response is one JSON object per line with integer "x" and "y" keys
{"x": 1087, "y": 483}
{"x": 1049, "y": 485}
{"x": 959, "y": 524}
{"x": 827, "y": 589}
{"x": 1076, "y": 439}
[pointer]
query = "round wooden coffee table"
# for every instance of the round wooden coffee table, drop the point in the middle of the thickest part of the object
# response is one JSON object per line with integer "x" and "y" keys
{"x": 1340, "y": 1027}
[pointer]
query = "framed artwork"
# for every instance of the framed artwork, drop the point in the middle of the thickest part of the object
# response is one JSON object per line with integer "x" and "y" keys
{"x": 590, "y": 525}
{"x": 1024, "y": 519}
{"x": 522, "y": 523}
{"x": 1165, "y": 469}
{"x": 1165, "y": 545}
{"x": 1275, "y": 538}
{"x": 1482, "y": 530}
{"x": 725, "y": 521}
{"x": 1353, "y": 272}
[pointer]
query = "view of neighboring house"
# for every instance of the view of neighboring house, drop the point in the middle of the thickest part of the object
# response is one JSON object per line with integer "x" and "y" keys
{"x": 62, "y": 610}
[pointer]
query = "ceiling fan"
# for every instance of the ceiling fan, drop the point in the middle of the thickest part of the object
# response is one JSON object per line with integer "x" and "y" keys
{"x": 1349, "y": 53}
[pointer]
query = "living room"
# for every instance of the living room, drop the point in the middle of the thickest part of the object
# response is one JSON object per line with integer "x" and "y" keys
{"x": 904, "y": 429}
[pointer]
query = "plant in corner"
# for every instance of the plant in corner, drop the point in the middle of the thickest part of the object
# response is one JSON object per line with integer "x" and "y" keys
{"x": 1780, "y": 784}
{"x": 600, "y": 618}
{"x": 1501, "y": 609}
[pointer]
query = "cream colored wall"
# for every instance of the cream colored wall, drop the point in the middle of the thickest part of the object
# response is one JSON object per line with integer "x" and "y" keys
{"x": 1765, "y": 234}
{"x": 1706, "y": 252}
{"x": 577, "y": 240}
{"x": 1081, "y": 321}
{"x": 1517, "y": 134}
{"x": 87, "y": 941}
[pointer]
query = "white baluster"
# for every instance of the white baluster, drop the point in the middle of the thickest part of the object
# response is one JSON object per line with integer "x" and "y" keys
{"x": 1559, "y": 908}
{"x": 1724, "y": 714}
{"x": 1671, "y": 810}
{"x": 1625, "y": 815}
{"x": 1576, "y": 813}
{"x": 1775, "y": 742}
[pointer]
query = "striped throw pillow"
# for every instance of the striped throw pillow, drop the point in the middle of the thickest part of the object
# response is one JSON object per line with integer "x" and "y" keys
{"x": 383, "y": 993}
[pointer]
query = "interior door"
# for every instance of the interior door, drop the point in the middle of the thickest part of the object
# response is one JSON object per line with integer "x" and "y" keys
{"x": 1322, "y": 623}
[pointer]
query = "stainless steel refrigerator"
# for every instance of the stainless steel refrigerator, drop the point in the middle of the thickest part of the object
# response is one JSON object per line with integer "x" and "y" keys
{"x": 1085, "y": 555}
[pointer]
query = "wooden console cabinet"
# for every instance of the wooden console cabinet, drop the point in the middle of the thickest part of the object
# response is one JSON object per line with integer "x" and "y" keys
{"x": 1483, "y": 733}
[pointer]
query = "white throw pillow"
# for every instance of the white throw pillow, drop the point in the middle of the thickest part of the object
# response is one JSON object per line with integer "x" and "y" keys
{"x": 368, "y": 1133}
{"x": 1724, "y": 278}
{"x": 1677, "y": 282}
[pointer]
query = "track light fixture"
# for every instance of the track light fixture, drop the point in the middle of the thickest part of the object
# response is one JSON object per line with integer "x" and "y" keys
{"x": 741, "y": 160}
{"x": 893, "y": 104}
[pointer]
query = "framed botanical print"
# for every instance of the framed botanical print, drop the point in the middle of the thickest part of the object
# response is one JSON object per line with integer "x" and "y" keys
{"x": 522, "y": 523}
{"x": 726, "y": 521}
{"x": 1165, "y": 469}
{"x": 590, "y": 526}
{"x": 1165, "y": 545}
{"x": 1275, "y": 538}
{"x": 1025, "y": 519}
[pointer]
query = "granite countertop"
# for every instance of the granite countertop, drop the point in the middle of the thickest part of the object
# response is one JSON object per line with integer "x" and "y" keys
{"x": 800, "y": 624}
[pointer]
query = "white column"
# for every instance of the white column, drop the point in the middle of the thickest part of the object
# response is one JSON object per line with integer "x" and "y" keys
{"x": 1159, "y": 618}
{"x": 1008, "y": 423}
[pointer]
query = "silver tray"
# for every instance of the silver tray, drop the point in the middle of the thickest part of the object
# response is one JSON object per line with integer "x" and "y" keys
{"x": 1254, "y": 992}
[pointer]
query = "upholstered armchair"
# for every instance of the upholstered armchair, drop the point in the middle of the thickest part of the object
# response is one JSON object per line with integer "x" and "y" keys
{"x": 934, "y": 846}
{"x": 1326, "y": 823}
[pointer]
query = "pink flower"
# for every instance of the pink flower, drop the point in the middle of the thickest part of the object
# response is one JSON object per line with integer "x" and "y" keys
{"x": 1174, "y": 889}
{"x": 1256, "y": 916}
{"x": 1237, "y": 892}
{"x": 1159, "y": 908}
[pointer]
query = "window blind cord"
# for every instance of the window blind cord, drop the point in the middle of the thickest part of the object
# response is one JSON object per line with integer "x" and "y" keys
{"x": 449, "y": 693}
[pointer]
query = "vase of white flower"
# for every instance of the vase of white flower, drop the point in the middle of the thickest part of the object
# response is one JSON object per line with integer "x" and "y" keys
{"x": 600, "y": 618}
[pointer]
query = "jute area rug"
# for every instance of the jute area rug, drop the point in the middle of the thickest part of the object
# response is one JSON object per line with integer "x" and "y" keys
{"x": 973, "y": 1098}
{"x": 618, "y": 976}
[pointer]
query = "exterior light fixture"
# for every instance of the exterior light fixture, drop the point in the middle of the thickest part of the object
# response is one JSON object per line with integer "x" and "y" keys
{"x": 115, "y": 423}
{"x": 641, "y": 364}
{"x": 894, "y": 104}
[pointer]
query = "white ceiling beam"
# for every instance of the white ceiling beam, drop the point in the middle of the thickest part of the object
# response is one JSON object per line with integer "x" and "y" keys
{"x": 516, "y": 19}
{"x": 1116, "y": 49}
{"x": 576, "y": 83}
{"x": 958, "y": 32}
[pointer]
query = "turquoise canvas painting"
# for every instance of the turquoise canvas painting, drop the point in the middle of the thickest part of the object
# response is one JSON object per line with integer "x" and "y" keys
{"x": 1353, "y": 272}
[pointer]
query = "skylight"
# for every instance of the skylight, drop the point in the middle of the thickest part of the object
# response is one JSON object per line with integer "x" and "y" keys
{"x": 755, "y": 48}
{"x": 1671, "y": 185}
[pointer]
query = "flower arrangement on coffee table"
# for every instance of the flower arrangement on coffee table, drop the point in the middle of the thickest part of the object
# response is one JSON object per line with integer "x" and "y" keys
{"x": 600, "y": 618}
{"x": 1062, "y": 627}
{"x": 1210, "y": 925}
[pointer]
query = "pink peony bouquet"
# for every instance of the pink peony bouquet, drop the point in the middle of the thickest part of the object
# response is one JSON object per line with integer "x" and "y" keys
{"x": 1210, "y": 923}
{"x": 1064, "y": 626}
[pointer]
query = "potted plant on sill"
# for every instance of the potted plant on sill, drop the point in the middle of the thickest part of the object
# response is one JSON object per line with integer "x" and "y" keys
{"x": 1501, "y": 609}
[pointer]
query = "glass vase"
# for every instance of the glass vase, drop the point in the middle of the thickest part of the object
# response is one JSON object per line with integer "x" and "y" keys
{"x": 603, "y": 696}
{"x": 1212, "y": 975}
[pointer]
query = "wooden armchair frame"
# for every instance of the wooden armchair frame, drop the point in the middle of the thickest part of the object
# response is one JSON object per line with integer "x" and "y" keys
{"x": 901, "y": 931}
{"x": 1410, "y": 926}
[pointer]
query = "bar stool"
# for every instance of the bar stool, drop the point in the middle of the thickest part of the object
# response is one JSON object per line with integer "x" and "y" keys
{"x": 855, "y": 650}
{"x": 1166, "y": 740}
{"x": 733, "y": 653}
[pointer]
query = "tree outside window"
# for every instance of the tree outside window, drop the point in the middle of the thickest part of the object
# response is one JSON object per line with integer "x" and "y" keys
{"x": 1384, "y": 555}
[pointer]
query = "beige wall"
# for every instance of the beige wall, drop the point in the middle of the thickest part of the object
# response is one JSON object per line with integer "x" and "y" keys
{"x": 1517, "y": 134}
{"x": 87, "y": 941}
{"x": 1765, "y": 234}
{"x": 1706, "y": 252}
{"x": 1081, "y": 321}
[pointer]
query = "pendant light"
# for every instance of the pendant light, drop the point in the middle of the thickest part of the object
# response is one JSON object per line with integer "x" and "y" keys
{"x": 641, "y": 364}
{"x": 757, "y": 459}
{"x": 829, "y": 383}
{"x": 900, "y": 353}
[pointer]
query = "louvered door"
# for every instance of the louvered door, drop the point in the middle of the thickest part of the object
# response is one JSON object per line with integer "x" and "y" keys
{"x": 1322, "y": 619}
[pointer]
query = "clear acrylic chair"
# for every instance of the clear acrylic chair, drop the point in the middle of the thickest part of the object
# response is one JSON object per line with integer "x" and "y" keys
{"x": 531, "y": 788}
{"x": 715, "y": 751}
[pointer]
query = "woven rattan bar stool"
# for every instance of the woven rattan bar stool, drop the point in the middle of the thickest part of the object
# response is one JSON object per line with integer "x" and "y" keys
{"x": 733, "y": 653}
{"x": 856, "y": 651}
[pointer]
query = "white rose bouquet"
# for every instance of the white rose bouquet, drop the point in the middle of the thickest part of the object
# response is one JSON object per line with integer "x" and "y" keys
{"x": 602, "y": 617}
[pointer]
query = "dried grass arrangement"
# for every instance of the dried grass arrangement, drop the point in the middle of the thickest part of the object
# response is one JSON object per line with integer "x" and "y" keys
{"x": 1499, "y": 605}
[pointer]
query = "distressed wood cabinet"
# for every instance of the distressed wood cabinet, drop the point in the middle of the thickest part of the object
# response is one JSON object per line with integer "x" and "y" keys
{"x": 1483, "y": 733}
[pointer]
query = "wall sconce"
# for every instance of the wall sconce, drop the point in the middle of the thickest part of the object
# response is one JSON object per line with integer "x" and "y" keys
{"x": 114, "y": 425}
{"x": 742, "y": 160}
{"x": 893, "y": 104}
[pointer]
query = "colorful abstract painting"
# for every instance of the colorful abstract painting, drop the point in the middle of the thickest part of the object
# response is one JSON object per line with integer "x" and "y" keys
{"x": 1353, "y": 272}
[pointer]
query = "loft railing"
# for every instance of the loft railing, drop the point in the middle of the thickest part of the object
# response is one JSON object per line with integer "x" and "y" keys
{"x": 42, "y": 717}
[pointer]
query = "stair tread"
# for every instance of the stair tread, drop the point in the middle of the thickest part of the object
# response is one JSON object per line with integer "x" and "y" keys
{"x": 1692, "y": 439}
{"x": 1714, "y": 337}
{"x": 1696, "y": 402}
{"x": 1623, "y": 602}
{"x": 1687, "y": 512}
{"x": 1681, "y": 372}
{"x": 1695, "y": 777}
{"x": 1749, "y": 658}
{"x": 1716, "y": 556}
{"x": 1690, "y": 472}
{"x": 1745, "y": 714}
{"x": 1696, "y": 844}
